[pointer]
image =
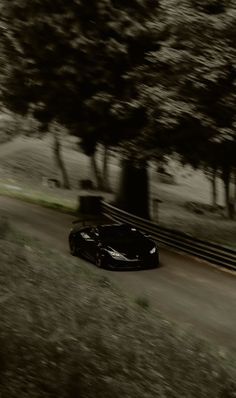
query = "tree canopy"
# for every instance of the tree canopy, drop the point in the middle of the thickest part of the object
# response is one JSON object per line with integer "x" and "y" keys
{"x": 71, "y": 63}
{"x": 189, "y": 83}
{"x": 158, "y": 74}
{"x": 109, "y": 69}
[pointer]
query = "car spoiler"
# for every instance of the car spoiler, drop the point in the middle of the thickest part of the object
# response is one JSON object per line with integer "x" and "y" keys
{"x": 85, "y": 221}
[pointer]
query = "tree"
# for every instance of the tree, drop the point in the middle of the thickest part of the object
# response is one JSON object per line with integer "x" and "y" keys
{"x": 133, "y": 195}
{"x": 57, "y": 150}
{"x": 71, "y": 64}
{"x": 152, "y": 78}
{"x": 189, "y": 85}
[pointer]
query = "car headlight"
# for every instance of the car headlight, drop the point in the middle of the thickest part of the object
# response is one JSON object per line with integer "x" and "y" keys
{"x": 116, "y": 255}
{"x": 154, "y": 249}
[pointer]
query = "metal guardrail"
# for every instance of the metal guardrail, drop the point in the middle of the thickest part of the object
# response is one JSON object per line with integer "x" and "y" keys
{"x": 211, "y": 252}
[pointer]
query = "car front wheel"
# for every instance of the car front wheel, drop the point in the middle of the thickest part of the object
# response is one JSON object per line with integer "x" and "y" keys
{"x": 99, "y": 260}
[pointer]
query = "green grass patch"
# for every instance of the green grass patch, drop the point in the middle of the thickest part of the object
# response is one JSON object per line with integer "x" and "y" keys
{"x": 39, "y": 199}
{"x": 4, "y": 227}
{"x": 143, "y": 302}
{"x": 66, "y": 331}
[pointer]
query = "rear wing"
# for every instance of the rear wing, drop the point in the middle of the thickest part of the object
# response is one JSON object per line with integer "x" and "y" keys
{"x": 88, "y": 221}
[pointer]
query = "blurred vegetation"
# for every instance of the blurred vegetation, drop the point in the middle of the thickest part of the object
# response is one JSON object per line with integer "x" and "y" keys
{"x": 148, "y": 77}
{"x": 68, "y": 332}
{"x": 39, "y": 199}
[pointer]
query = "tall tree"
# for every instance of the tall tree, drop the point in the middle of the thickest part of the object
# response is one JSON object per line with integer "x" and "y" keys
{"x": 154, "y": 75}
{"x": 189, "y": 84}
{"x": 72, "y": 64}
{"x": 57, "y": 133}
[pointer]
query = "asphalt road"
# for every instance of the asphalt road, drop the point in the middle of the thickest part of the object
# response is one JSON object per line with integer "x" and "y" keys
{"x": 187, "y": 291}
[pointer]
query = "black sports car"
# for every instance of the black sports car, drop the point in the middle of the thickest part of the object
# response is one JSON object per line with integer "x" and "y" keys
{"x": 117, "y": 246}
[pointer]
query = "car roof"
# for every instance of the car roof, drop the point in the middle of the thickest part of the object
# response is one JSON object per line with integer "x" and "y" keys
{"x": 80, "y": 226}
{"x": 107, "y": 227}
{"x": 110, "y": 229}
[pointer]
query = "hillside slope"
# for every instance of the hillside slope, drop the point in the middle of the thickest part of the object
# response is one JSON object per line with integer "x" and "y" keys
{"x": 67, "y": 332}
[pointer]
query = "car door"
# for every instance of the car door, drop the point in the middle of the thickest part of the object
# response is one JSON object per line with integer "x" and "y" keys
{"x": 90, "y": 239}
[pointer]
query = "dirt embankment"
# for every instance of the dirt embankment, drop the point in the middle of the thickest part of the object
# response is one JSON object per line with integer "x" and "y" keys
{"x": 66, "y": 332}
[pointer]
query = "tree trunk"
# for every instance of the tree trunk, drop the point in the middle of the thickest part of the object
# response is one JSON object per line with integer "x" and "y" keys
{"x": 226, "y": 188}
{"x": 214, "y": 187}
{"x": 96, "y": 172}
{"x": 106, "y": 179}
{"x": 229, "y": 204}
{"x": 133, "y": 195}
{"x": 235, "y": 186}
{"x": 59, "y": 161}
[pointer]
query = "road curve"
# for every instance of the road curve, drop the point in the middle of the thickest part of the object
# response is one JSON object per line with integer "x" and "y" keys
{"x": 186, "y": 290}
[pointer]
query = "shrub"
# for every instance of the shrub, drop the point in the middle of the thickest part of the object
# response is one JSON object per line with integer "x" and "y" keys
{"x": 142, "y": 302}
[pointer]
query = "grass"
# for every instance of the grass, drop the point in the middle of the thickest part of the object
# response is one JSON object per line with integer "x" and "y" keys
{"x": 26, "y": 161}
{"x": 66, "y": 331}
{"x": 143, "y": 302}
{"x": 39, "y": 198}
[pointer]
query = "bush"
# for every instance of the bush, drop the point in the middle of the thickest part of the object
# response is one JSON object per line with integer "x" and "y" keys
{"x": 142, "y": 302}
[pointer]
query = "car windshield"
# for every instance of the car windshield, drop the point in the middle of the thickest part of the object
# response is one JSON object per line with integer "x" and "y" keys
{"x": 119, "y": 233}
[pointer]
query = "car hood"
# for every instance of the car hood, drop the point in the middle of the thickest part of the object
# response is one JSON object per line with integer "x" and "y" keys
{"x": 131, "y": 249}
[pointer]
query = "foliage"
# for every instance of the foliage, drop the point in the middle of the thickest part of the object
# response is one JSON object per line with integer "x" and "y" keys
{"x": 4, "y": 227}
{"x": 189, "y": 83}
{"x": 159, "y": 75}
{"x": 110, "y": 70}
{"x": 143, "y": 302}
{"x": 70, "y": 63}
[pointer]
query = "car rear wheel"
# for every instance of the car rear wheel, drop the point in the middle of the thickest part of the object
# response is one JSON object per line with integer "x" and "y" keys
{"x": 73, "y": 248}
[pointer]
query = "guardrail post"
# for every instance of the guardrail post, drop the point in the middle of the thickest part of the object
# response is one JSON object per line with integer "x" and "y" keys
{"x": 155, "y": 209}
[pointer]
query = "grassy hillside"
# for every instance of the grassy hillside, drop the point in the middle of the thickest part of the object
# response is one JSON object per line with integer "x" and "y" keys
{"x": 67, "y": 332}
{"x": 185, "y": 205}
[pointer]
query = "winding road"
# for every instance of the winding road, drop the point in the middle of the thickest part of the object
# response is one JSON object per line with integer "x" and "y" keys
{"x": 187, "y": 291}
